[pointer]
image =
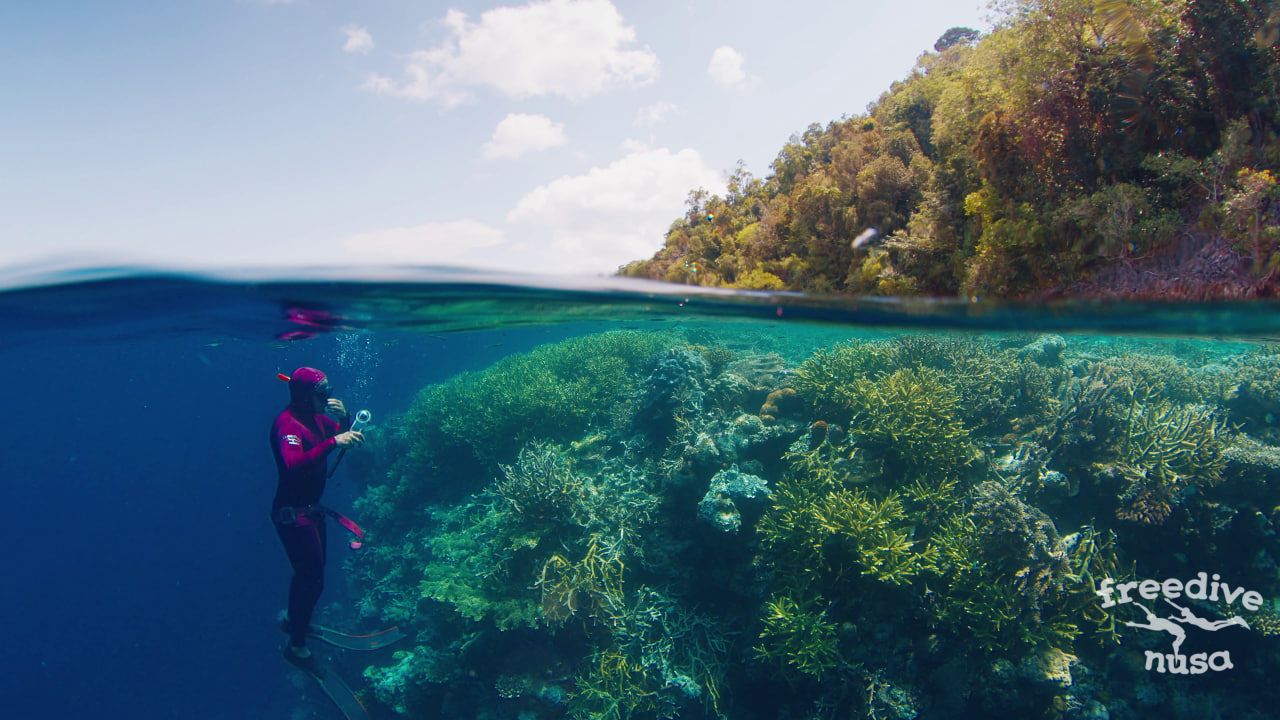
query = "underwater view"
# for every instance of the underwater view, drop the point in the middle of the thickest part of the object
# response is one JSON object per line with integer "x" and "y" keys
{"x": 619, "y": 501}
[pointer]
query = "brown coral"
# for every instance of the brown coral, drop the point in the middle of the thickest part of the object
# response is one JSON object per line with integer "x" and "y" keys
{"x": 1148, "y": 508}
{"x": 780, "y": 402}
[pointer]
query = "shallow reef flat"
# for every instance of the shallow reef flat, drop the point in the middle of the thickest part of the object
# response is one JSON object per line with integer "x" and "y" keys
{"x": 686, "y": 523}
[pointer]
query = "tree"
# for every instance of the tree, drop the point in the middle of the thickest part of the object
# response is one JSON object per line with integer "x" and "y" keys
{"x": 956, "y": 36}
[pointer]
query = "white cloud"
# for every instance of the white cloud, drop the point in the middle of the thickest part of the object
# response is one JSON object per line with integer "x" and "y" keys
{"x": 567, "y": 48}
{"x": 652, "y": 115}
{"x": 612, "y": 215}
{"x": 519, "y": 134}
{"x": 726, "y": 68}
{"x": 436, "y": 242}
{"x": 359, "y": 41}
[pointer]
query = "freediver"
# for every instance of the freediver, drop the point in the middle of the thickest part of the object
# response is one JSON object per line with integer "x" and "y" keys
{"x": 302, "y": 437}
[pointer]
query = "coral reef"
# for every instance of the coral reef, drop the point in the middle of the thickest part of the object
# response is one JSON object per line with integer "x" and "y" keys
{"x": 649, "y": 525}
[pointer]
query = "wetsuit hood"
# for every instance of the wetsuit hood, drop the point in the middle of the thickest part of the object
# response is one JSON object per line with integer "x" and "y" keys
{"x": 306, "y": 383}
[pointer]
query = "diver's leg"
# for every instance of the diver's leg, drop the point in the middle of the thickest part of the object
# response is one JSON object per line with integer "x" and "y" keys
{"x": 305, "y": 545}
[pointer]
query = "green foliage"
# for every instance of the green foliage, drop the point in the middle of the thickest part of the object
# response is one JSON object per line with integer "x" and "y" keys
{"x": 759, "y": 279}
{"x": 956, "y": 36}
{"x": 1076, "y": 136}
{"x": 1120, "y": 222}
{"x": 1248, "y": 213}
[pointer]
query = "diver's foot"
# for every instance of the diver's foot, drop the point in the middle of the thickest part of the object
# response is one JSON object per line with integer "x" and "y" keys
{"x": 301, "y": 656}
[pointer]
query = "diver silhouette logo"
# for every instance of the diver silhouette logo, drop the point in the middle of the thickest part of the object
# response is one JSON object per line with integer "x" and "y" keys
{"x": 1198, "y": 588}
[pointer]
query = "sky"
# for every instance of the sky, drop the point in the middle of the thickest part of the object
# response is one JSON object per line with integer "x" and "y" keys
{"x": 550, "y": 136}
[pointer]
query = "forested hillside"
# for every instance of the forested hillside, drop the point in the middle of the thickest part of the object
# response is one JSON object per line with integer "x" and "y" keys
{"x": 1082, "y": 147}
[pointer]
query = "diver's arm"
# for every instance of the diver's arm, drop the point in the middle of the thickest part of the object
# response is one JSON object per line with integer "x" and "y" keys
{"x": 291, "y": 452}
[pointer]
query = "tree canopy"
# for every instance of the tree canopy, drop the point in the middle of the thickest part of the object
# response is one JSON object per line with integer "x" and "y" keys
{"x": 1077, "y": 136}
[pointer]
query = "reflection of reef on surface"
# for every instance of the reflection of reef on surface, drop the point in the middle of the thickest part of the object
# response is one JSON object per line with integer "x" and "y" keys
{"x": 647, "y": 525}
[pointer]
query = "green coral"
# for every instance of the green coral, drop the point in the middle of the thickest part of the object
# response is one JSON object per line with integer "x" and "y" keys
{"x": 911, "y": 416}
{"x": 1043, "y": 598}
{"x": 826, "y": 378}
{"x": 1164, "y": 450}
{"x": 893, "y": 402}
{"x": 472, "y": 559}
{"x": 660, "y": 659}
{"x": 553, "y": 393}
{"x": 798, "y": 636}
{"x": 525, "y": 526}
{"x": 875, "y": 533}
{"x": 816, "y": 522}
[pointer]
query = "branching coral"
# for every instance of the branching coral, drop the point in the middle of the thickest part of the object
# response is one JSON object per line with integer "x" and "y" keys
{"x": 1012, "y": 582}
{"x": 798, "y": 636}
{"x": 542, "y": 486}
{"x": 876, "y": 533}
{"x": 471, "y": 562}
{"x": 911, "y": 417}
{"x": 594, "y": 582}
{"x": 1164, "y": 450}
{"x": 825, "y": 380}
{"x": 816, "y": 526}
{"x": 658, "y": 660}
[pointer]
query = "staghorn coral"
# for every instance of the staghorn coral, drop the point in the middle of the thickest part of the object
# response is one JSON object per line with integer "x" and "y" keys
{"x": 1013, "y": 583}
{"x": 594, "y": 582}
{"x": 1079, "y": 411}
{"x": 659, "y": 659}
{"x": 816, "y": 525}
{"x": 797, "y": 636}
{"x": 910, "y": 416}
{"x": 825, "y": 380}
{"x": 541, "y": 486}
{"x": 1248, "y": 452}
{"x": 1164, "y": 450}
{"x": 1253, "y": 394}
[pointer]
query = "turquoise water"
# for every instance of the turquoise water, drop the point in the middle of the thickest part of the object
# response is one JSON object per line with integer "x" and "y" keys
{"x": 617, "y": 499}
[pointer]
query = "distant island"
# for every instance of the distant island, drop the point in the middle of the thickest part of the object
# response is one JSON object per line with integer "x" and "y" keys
{"x": 1114, "y": 148}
